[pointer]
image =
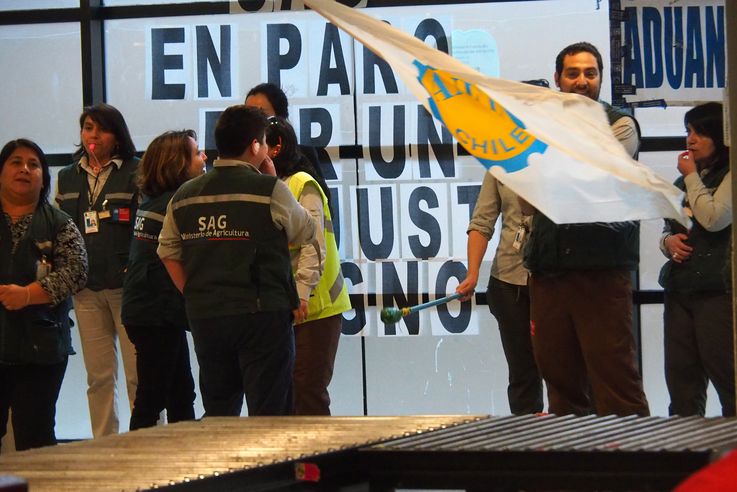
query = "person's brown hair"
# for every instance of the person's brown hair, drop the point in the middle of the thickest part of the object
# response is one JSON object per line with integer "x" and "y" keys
{"x": 164, "y": 166}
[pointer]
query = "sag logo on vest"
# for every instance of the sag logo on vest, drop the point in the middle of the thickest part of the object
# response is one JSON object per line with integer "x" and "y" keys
{"x": 212, "y": 223}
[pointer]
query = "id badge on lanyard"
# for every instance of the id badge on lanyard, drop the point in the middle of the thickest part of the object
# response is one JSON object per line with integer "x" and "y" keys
{"x": 91, "y": 219}
{"x": 519, "y": 237}
{"x": 91, "y": 222}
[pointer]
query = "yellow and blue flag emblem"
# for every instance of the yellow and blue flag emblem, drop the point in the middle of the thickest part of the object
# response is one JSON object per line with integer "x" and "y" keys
{"x": 480, "y": 124}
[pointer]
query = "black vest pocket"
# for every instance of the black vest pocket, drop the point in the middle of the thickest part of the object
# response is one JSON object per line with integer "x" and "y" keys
{"x": 46, "y": 339}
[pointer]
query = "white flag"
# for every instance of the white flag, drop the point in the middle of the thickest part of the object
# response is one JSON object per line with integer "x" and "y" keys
{"x": 555, "y": 150}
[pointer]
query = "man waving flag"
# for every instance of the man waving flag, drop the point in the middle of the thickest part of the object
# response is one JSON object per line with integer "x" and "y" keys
{"x": 555, "y": 150}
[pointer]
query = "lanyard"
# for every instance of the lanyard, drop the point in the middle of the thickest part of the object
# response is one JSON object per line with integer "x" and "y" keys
{"x": 91, "y": 190}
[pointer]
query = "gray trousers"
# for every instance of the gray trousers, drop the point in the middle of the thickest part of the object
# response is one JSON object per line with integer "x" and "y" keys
{"x": 698, "y": 349}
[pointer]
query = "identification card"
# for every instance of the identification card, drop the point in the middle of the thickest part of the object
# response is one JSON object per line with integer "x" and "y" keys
{"x": 43, "y": 268}
{"x": 519, "y": 237}
{"x": 91, "y": 224}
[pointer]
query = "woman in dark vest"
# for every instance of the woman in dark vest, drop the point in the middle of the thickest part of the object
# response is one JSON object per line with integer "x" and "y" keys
{"x": 153, "y": 308}
{"x": 42, "y": 263}
{"x": 697, "y": 276}
{"x": 99, "y": 192}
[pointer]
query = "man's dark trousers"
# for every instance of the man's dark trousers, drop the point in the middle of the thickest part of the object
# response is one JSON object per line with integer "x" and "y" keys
{"x": 251, "y": 354}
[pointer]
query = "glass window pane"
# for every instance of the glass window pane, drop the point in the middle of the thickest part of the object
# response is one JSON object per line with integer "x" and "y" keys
{"x": 662, "y": 122}
{"x": 43, "y": 85}
{"x": 38, "y": 4}
{"x": 168, "y": 66}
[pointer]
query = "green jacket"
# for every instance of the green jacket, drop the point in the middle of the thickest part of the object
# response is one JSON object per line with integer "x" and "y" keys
{"x": 107, "y": 249}
{"x": 149, "y": 295}
{"x": 236, "y": 259}
{"x": 40, "y": 333}
{"x": 709, "y": 269}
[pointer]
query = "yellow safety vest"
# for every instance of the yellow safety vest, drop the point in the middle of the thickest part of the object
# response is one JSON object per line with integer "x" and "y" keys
{"x": 330, "y": 296}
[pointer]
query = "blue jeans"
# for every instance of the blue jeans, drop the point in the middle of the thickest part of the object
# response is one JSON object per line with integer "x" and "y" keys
{"x": 251, "y": 354}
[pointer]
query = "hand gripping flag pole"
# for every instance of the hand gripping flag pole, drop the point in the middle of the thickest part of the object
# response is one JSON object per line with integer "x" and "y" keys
{"x": 393, "y": 314}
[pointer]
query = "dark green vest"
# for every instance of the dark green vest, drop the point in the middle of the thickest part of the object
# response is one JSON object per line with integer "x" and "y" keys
{"x": 600, "y": 246}
{"x": 709, "y": 269}
{"x": 615, "y": 114}
{"x": 37, "y": 334}
{"x": 235, "y": 258}
{"x": 149, "y": 296}
{"x": 107, "y": 249}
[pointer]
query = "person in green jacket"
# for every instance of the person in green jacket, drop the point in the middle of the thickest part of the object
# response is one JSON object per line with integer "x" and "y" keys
{"x": 153, "y": 309}
{"x": 42, "y": 263}
{"x": 697, "y": 276}
{"x": 225, "y": 243}
{"x": 99, "y": 192}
